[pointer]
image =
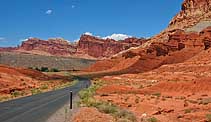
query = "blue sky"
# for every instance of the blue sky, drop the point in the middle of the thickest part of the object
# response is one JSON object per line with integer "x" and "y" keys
{"x": 44, "y": 19}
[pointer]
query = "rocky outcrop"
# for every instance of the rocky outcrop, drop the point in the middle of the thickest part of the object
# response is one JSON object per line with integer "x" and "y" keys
{"x": 97, "y": 47}
{"x": 179, "y": 47}
{"x": 87, "y": 46}
{"x": 192, "y": 12}
{"x": 57, "y": 46}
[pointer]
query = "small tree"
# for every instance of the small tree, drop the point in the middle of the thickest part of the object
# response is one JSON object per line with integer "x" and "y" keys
{"x": 54, "y": 70}
{"x": 44, "y": 69}
{"x": 37, "y": 69}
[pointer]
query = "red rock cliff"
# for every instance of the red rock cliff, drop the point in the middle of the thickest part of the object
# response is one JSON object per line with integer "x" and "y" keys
{"x": 99, "y": 48}
{"x": 55, "y": 46}
{"x": 192, "y": 12}
{"x": 90, "y": 46}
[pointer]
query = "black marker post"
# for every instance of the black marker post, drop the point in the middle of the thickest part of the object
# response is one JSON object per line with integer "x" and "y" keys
{"x": 71, "y": 100}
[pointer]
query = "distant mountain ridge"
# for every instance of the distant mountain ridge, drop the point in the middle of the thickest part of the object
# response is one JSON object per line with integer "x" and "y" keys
{"x": 87, "y": 47}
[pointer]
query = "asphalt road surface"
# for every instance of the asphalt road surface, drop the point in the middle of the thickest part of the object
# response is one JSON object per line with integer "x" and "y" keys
{"x": 40, "y": 107}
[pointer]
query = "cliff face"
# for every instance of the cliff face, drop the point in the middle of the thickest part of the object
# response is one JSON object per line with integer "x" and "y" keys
{"x": 179, "y": 47}
{"x": 192, "y": 12}
{"x": 97, "y": 47}
{"x": 56, "y": 46}
{"x": 88, "y": 46}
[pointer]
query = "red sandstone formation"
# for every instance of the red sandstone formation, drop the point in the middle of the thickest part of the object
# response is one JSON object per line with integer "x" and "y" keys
{"x": 193, "y": 11}
{"x": 179, "y": 47}
{"x": 97, "y": 47}
{"x": 58, "y": 47}
{"x": 88, "y": 46}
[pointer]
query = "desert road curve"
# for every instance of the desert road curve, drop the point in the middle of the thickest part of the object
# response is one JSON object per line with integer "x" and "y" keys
{"x": 40, "y": 107}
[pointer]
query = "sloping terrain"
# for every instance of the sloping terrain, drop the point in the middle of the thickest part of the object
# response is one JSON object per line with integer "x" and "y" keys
{"x": 19, "y": 82}
{"x": 175, "y": 92}
{"x": 17, "y": 79}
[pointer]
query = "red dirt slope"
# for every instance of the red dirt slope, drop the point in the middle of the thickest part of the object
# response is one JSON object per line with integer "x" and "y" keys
{"x": 12, "y": 79}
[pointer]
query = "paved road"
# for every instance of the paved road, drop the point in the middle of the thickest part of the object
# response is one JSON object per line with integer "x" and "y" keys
{"x": 38, "y": 108}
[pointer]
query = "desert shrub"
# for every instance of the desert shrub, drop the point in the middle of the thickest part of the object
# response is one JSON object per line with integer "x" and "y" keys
{"x": 208, "y": 117}
{"x": 87, "y": 99}
{"x": 87, "y": 94}
{"x": 158, "y": 94}
{"x": 152, "y": 119}
{"x": 2, "y": 98}
{"x": 205, "y": 101}
{"x": 16, "y": 93}
{"x": 36, "y": 68}
{"x": 187, "y": 111}
{"x": 126, "y": 115}
{"x": 107, "y": 108}
{"x": 35, "y": 91}
{"x": 54, "y": 70}
{"x": 43, "y": 87}
{"x": 44, "y": 69}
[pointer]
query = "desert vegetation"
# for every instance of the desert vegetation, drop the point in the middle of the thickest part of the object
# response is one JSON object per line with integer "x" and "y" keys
{"x": 39, "y": 61}
{"x": 45, "y": 69}
{"x": 88, "y": 100}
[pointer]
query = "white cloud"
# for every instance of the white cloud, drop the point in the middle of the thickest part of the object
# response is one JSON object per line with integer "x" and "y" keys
{"x": 2, "y": 39}
{"x": 114, "y": 36}
{"x": 49, "y": 11}
{"x": 22, "y": 40}
{"x": 73, "y": 6}
{"x": 117, "y": 37}
{"x": 88, "y": 33}
{"x": 76, "y": 40}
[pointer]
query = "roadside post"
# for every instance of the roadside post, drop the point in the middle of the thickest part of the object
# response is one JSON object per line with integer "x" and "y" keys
{"x": 71, "y": 100}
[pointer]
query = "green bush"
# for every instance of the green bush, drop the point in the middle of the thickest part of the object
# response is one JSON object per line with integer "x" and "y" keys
{"x": 87, "y": 94}
{"x": 35, "y": 91}
{"x": 36, "y": 68}
{"x": 54, "y": 70}
{"x": 44, "y": 69}
{"x": 16, "y": 93}
{"x": 44, "y": 87}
